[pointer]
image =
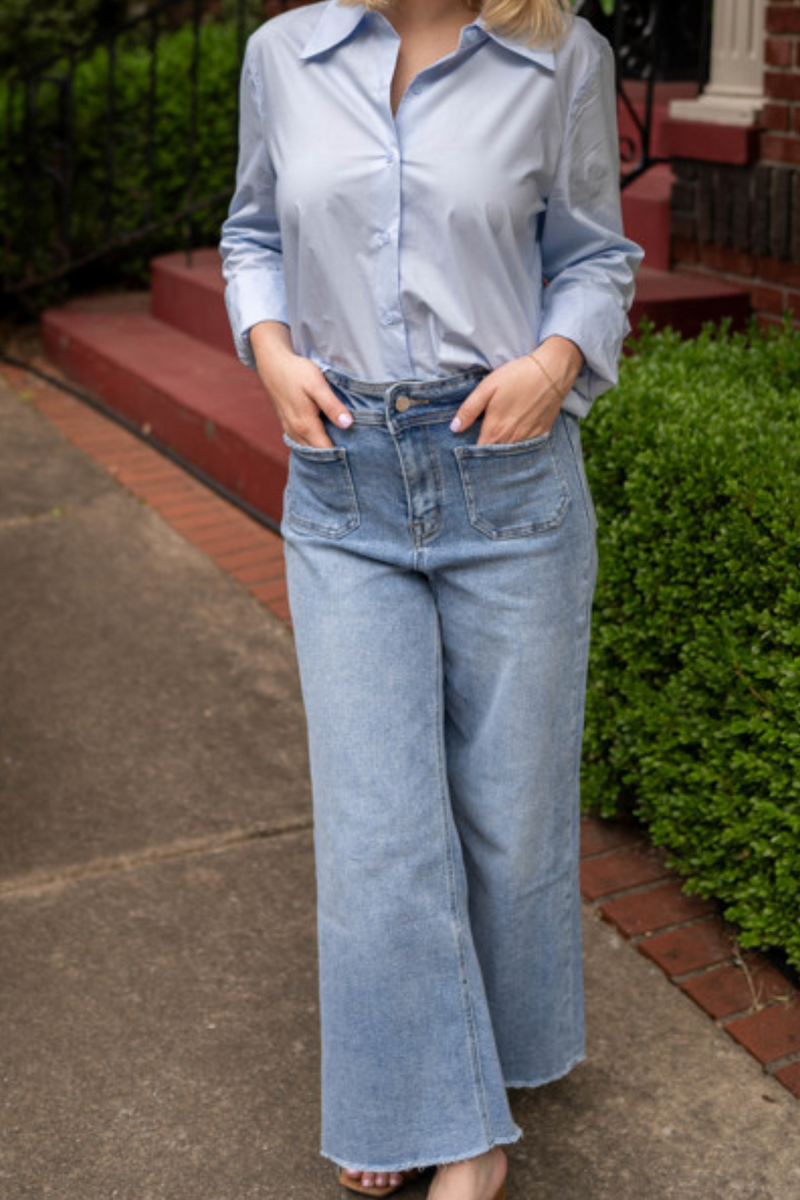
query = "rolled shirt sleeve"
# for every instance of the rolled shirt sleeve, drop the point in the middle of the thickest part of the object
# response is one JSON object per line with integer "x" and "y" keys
{"x": 588, "y": 263}
{"x": 252, "y": 260}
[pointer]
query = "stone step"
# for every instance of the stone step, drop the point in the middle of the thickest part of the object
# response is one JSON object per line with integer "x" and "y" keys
{"x": 646, "y": 214}
{"x": 190, "y": 396}
{"x": 188, "y": 292}
{"x": 687, "y": 302}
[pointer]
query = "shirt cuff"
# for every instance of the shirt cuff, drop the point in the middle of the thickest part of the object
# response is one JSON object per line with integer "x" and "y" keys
{"x": 250, "y": 297}
{"x": 596, "y": 320}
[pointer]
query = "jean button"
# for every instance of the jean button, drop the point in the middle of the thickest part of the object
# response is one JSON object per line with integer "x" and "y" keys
{"x": 403, "y": 403}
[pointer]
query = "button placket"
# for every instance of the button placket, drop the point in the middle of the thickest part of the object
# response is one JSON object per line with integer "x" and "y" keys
{"x": 388, "y": 197}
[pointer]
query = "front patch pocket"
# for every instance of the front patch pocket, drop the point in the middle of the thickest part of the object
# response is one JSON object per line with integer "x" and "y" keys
{"x": 513, "y": 489}
{"x": 320, "y": 497}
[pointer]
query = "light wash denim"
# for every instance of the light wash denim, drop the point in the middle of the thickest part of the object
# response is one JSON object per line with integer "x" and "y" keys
{"x": 441, "y": 593}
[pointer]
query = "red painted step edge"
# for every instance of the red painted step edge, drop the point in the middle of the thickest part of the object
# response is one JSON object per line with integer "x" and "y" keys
{"x": 194, "y": 399}
{"x": 686, "y": 302}
{"x": 187, "y": 292}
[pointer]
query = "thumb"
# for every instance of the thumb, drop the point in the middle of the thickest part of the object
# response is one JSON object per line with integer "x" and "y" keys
{"x": 472, "y": 407}
{"x": 329, "y": 403}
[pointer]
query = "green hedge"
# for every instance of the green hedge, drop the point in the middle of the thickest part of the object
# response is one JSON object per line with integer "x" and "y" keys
{"x": 134, "y": 201}
{"x": 693, "y": 719}
{"x": 32, "y": 32}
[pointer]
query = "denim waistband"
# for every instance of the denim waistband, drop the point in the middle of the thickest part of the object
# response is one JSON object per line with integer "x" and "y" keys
{"x": 417, "y": 389}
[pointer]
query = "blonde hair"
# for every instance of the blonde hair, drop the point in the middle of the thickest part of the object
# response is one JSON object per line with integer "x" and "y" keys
{"x": 537, "y": 22}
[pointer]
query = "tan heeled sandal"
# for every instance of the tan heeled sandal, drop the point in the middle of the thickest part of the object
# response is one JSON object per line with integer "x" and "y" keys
{"x": 355, "y": 1185}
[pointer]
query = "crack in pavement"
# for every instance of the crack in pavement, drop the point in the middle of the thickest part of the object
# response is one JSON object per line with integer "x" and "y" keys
{"x": 37, "y": 883}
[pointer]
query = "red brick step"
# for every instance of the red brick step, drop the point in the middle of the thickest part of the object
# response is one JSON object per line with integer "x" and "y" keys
{"x": 194, "y": 398}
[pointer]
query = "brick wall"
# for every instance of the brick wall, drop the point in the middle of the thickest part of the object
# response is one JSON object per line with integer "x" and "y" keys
{"x": 780, "y": 141}
{"x": 743, "y": 222}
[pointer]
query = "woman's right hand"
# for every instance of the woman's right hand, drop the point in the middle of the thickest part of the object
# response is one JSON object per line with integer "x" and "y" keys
{"x": 296, "y": 386}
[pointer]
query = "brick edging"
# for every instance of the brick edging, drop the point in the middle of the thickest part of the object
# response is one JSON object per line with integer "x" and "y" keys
{"x": 627, "y": 880}
{"x": 622, "y": 875}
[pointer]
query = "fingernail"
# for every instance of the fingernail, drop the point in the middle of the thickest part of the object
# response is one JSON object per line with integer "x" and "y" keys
{"x": 345, "y": 420}
{"x": 455, "y": 425}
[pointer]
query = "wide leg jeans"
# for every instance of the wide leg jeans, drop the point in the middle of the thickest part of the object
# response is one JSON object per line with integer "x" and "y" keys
{"x": 440, "y": 593}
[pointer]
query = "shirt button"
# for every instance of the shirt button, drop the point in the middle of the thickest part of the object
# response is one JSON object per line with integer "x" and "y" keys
{"x": 417, "y": 88}
{"x": 383, "y": 239}
{"x": 389, "y": 318}
{"x": 470, "y": 34}
{"x": 390, "y": 157}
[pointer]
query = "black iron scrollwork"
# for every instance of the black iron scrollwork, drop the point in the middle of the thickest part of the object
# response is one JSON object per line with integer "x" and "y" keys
{"x": 71, "y": 199}
{"x": 654, "y": 41}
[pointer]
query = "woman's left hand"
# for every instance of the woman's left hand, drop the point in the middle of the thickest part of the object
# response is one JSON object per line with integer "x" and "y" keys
{"x": 517, "y": 400}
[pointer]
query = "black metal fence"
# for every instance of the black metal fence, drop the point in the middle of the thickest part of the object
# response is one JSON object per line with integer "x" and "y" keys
{"x": 655, "y": 41}
{"x": 130, "y": 138}
{"x": 101, "y": 145}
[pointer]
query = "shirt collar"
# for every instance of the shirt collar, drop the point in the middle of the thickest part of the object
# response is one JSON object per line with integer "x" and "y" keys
{"x": 545, "y": 58}
{"x": 337, "y": 22}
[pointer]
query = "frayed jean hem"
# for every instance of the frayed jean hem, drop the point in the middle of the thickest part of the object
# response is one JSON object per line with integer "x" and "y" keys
{"x": 422, "y": 1164}
{"x": 541, "y": 1081}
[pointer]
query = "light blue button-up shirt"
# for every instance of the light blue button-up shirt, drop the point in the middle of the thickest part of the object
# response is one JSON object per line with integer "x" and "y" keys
{"x": 417, "y": 245}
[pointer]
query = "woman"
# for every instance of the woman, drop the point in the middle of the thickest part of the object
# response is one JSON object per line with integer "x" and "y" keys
{"x": 411, "y": 173}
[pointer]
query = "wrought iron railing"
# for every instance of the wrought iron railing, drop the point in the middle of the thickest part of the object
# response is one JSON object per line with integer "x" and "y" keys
{"x": 101, "y": 156}
{"x": 655, "y": 41}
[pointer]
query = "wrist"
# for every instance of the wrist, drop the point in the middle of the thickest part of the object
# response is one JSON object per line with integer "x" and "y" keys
{"x": 562, "y": 359}
{"x": 271, "y": 337}
{"x": 272, "y": 347}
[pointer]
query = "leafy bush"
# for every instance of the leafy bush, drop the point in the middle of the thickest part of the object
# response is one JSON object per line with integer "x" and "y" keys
{"x": 151, "y": 182}
{"x": 692, "y": 718}
{"x": 31, "y": 33}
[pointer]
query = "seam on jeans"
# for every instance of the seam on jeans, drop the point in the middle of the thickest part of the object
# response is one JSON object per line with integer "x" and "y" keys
{"x": 409, "y": 505}
{"x": 578, "y": 705}
{"x": 434, "y": 466}
{"x": 577, "y": 456}
{"x": 306, "y": 524}
{"x": 464, "y": 454}
{"x": 377, "y": 420}
{"x": 439, "y": 416}
{"x": 448, "y": 833}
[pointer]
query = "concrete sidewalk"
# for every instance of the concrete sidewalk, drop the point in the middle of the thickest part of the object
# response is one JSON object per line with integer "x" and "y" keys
{"x": 157, "y": 962}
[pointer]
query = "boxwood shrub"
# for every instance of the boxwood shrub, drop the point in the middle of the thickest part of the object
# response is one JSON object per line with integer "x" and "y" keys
{"x": 694, "y": 698}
